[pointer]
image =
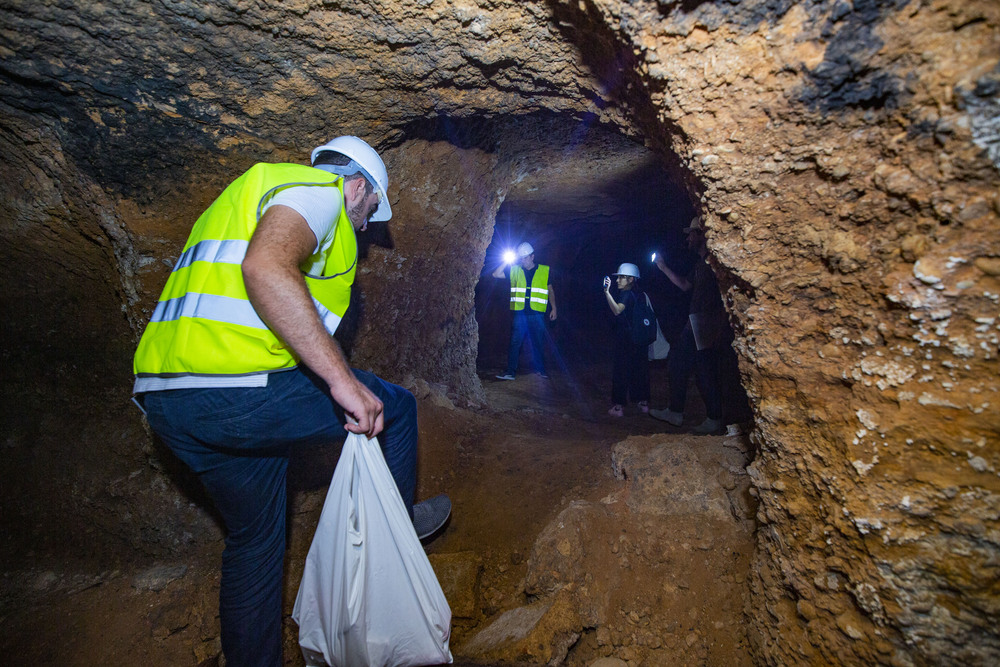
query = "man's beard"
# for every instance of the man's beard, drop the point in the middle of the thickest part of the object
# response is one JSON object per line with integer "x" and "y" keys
{"x": 356, "y": 214}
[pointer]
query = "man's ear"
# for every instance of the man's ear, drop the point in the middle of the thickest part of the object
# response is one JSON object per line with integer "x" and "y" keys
{"x": 356, "y": 188}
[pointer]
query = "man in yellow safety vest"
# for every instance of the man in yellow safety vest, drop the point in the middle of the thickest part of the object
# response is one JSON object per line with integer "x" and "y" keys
{"x": 530, "y": 295}
{"x": 238, "y": 364}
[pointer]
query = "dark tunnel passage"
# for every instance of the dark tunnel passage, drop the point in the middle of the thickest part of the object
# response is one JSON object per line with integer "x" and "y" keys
{"x": 583, "y": 222}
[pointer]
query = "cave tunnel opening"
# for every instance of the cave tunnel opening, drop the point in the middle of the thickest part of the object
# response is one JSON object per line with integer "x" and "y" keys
{"x": 587, "y": 200}
{"x": 591, "y": 204}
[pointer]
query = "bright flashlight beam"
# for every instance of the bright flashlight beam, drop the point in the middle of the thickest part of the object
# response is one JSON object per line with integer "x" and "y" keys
{"x": 509, "y": 257}
{"x": 653, "y": 258}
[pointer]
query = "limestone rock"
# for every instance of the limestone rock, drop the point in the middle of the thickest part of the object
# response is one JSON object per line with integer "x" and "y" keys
{"x": 671, "y": 478}
{"x": 619, "y": 563}
{"x": 157, "y": 578}
{"x": 540, "y": 633}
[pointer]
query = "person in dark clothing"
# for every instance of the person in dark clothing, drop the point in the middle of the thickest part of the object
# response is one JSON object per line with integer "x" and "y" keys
{"x": 703, "y": 348}
{"x": 630, "y": 371}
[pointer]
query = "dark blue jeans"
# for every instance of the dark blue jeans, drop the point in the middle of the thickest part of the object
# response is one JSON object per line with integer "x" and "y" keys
{"x": 532, "y": 323}
{"x": 237, "y": 441}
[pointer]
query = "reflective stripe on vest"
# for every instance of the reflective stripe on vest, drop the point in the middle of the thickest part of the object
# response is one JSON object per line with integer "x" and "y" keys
{"x": 539, "y": 288}
{"x": 204, "y": 323}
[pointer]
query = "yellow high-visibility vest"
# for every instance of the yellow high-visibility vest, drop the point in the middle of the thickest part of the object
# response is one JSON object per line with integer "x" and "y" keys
{"x": 539, "y": 288}
{"x": 204, "y": 323}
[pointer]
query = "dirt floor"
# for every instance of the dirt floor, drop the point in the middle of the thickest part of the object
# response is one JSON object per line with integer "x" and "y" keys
{"x": 651, "y": 589}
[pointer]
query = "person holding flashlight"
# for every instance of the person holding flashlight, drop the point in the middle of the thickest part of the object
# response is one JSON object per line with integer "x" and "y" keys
{"x": 703, "y": 349}
{"x": 531, "y": 294}
{"x": 630, "y": 363}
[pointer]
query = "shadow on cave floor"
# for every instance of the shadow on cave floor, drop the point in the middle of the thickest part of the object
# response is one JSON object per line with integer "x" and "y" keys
{"x": 517, "y": 469}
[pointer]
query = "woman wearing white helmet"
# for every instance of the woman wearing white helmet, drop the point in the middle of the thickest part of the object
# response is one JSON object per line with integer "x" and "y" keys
{"x": 630, "y": 371}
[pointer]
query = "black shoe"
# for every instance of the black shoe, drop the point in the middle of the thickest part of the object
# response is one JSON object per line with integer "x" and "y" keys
{"x": 430, "y": 515}
{"x": 708, "y": 426}
{"x": 666, "y": 415}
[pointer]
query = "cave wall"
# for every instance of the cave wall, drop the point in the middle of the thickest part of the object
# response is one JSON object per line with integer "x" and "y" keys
{"x": 415, "y": 293}
{"x": 850, "y": 191}
{"x": 80, "y": 479}
{"x": 62, "y": 325}
{"x": 844, "y": 155}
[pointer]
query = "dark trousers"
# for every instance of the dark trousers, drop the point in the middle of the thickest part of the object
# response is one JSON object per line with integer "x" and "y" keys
{"x": 526, "y": 322}
{"x": 735, "y": 404}
{"x": 685, "y": 359}
{"x": 237, "y": 441}
{"x": 630, "y": 373}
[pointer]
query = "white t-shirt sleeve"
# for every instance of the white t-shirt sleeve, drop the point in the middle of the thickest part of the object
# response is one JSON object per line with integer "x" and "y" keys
{"x": 319, "y": 205}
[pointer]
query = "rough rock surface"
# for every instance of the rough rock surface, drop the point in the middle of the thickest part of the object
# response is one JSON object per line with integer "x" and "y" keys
{"x": 843, "y": 154}
{"x": 636, "y": 573}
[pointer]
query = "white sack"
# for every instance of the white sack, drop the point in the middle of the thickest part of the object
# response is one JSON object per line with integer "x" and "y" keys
{"x": 659, "y": 348}
{"x": 368, "y": 595}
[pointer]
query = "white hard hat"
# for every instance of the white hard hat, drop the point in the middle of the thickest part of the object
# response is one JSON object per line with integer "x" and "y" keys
{"x": 627, "y": 269}
{"x": 524, "y": 250}
{"x": 366, "y": 160}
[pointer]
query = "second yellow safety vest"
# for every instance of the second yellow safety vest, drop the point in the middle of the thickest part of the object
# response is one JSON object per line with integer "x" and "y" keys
{"x": 539, "y": 288}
